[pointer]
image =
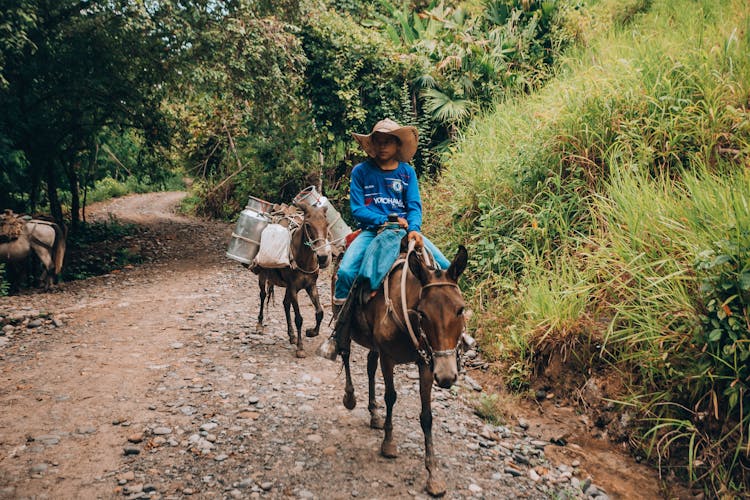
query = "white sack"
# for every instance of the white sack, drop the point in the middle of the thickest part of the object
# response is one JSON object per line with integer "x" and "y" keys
{"x": 274, "y": 246}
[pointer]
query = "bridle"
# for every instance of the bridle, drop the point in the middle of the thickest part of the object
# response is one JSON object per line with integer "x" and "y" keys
{"x": 308, "y": 241}
{"x": 426, "y": 353}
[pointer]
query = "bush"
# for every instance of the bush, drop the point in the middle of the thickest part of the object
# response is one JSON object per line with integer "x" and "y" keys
{"x": 4, "y": 285}
{"x": 105, "y": 189}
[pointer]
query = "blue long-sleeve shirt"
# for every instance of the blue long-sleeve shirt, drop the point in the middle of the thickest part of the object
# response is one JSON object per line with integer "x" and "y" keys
{"x": 375, "y": 193}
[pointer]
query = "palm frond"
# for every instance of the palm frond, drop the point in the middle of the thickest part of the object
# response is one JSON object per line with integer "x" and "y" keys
{"x": 445, "y": 109}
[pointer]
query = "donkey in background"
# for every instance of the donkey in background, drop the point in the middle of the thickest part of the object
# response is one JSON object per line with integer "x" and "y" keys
{"x": 42, "y": 238}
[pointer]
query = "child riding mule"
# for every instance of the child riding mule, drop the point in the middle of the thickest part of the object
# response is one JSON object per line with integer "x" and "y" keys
{"x": 310, "y": 252}
{"x": 417, "y": 316}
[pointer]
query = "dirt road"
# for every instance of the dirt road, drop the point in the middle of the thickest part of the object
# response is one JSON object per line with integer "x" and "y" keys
{"x": 151, "y": 383}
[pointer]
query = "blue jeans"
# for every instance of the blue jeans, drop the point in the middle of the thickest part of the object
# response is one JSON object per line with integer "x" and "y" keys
{"x": 352, "y": 260}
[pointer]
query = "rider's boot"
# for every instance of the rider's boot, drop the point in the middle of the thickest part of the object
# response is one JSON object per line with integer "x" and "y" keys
{"x": 329, "y": 348}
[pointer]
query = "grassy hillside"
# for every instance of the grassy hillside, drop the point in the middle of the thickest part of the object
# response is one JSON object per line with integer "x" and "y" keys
{"x": 608, "y": 222}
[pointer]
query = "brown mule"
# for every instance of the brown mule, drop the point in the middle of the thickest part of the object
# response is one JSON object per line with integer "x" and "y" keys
{"x": 417, "y": 316}
{"x": 310, "y": 252}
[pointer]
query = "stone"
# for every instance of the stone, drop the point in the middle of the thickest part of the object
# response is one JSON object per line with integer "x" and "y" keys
{"x": 126, "y": 476}
{"x": 39, "y": 468}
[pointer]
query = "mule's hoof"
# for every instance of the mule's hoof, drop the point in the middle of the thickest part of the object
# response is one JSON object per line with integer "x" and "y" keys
{"x": 259, "y": 328}
{"x": 389, "y": 450}
{"x": 376, "y": 422}
{"x": 435, "y": 487}
{"x": 301, "y": 353}
{"x": 311, "y": 332}
{"x": 350, "y": 400}
{"x": 292, "y": 339}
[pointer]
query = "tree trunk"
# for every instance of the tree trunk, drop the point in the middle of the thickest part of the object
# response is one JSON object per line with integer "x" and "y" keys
{"x": 34, "y": 192}
{"x": 75, "y": 202}
{"x": 54, "y": 201}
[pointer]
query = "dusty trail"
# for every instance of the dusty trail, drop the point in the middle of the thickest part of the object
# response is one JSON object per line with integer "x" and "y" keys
{"x": 151, "y": 383}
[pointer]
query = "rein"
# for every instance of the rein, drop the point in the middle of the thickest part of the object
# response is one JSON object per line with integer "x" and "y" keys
{"x": 421, "y": 344}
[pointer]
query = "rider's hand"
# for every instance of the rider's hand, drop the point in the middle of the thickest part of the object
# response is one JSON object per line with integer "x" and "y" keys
{"x": 417, "y": 237}
{"x": 403, "y": 223}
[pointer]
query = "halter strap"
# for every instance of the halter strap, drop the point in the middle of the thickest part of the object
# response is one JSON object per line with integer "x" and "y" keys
{"x": 404, "y": 309}
{"x": 308, "y": 243}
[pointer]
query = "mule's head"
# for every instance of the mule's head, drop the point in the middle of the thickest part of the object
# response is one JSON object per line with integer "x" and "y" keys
{"x": 315, "y": 231}
{"x": 441, "y": 313}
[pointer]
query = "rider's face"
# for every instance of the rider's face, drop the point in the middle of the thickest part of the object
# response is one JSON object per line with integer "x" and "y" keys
{"x": 386, "y": 146}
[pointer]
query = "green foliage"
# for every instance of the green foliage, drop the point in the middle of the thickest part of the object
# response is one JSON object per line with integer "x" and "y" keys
{"x": 489, "y": 408}
{"x": 595, "y": 209}
{"x": 245, "y": 121}
{"x": 356, "y": 79}
{"x": 17, "y": 19}
{"x": 722, "y": 380}
{"x": 99, "y": 248}
{"x": 4, "y": 285}
{"x": 107, "y": 188}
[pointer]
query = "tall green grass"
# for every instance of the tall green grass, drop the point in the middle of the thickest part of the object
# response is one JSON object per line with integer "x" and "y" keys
{"x": 610, "y": 208}
{"x": 680, "y": 326}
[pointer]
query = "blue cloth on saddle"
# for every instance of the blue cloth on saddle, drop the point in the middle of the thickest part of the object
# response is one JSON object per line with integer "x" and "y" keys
{"x": 380, "y": 256}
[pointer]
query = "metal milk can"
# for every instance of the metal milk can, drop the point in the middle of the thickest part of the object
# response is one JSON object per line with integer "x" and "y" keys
{"x": 245, "y": 242}
{"x": 260, "y": 206}
{"x": 337, "y": 227}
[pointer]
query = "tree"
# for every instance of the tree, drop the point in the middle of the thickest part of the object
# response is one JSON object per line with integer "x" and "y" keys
{"x": 85, "y": 65}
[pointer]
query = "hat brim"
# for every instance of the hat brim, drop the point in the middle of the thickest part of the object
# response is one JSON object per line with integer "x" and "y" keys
{"x": 408, "y": 136}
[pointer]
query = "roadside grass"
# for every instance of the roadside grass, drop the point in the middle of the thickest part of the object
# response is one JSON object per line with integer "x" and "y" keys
{"x": 680, "y": 324}
{"x": 610, "y": 209}
{"x": 109, "y": 187}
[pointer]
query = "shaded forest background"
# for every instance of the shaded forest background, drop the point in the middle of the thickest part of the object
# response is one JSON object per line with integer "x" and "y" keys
{"x": 244, "y": 97}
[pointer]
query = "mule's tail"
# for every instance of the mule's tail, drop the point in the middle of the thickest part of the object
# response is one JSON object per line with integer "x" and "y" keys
{"x": 59, "y": 247}
{"x": 269, "y": 294}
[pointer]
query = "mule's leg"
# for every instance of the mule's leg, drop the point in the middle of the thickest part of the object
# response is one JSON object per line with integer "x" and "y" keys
{"x": 298, "y": 325}
{"x": 350, "y": 400}
{"x": 48, "y": 267}
{"x": 312, "y": 292}
{"x": 376, "y": 421}
{"x": 16, "y": 276}
{"x": 288, "y": 315}
{"x": 435, "y": 482}
{"x": 388, "y": 449}
{"x": 262, "y": 284}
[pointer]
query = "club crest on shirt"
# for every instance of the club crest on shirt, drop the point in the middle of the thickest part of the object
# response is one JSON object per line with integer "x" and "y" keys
{"x": 397, "y": 186}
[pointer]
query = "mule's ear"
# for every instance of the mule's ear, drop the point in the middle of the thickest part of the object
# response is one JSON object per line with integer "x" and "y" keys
{"x": 305, "y": 206}
{"x": 417, "y": 268}
{"x": 459, "y": 263}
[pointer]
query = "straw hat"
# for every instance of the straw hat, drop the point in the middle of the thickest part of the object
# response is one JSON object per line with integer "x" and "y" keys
{"x": 407, "y": 135}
